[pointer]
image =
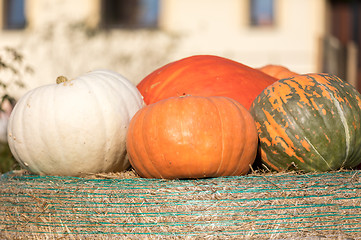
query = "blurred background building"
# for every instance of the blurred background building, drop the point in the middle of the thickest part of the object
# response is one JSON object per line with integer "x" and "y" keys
{"x": 134, "y": 37}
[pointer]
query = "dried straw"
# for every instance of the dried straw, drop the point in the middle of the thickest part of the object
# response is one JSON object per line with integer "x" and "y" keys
{"x": 122, "y": 205}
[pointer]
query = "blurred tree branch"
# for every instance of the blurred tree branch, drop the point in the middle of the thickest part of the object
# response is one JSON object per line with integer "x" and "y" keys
{"x": 12, "y": 71}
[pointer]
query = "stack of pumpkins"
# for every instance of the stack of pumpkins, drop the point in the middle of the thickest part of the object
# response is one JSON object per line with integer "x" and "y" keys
{"x": 201, "y": 116}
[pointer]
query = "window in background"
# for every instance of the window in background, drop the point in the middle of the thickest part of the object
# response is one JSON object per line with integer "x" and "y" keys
{"x": 262, "y": 13}
{"x": 14, "y": 14}
{"x": 130, "y": 13}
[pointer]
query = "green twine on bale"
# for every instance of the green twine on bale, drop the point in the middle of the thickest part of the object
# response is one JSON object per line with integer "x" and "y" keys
{"x": 281, "y": 205}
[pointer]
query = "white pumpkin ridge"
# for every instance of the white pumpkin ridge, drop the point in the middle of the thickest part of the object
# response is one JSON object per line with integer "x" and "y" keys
{"x": 75, "y": 127}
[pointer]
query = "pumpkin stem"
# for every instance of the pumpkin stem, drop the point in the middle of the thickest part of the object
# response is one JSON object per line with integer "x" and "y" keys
{"x": 61, "y": 79}
{"x": 184, "y": 95}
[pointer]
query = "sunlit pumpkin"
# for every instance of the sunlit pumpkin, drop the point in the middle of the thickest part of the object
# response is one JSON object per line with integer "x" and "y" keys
{"x": 192, "y": 137}
{"x": 205, "y": 75}
{"x": 277, "y": 71}
{"x": 76, "y": 126}
{"x": 309, "y": 122}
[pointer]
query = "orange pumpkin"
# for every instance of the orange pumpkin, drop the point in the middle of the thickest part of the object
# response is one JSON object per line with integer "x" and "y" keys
{"x": 192, "y": 137}
{"x": 277, "y": 71}
{"x": 205, "y": 75}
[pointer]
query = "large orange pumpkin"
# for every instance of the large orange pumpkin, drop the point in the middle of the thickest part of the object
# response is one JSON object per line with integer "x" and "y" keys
{"x": 192, "y": 137}
{"x": 205, "y": 75}
{"x": 277, "y": 71}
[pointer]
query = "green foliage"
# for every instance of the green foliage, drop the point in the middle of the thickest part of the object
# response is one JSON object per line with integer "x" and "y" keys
{"x": 7, "y": 161}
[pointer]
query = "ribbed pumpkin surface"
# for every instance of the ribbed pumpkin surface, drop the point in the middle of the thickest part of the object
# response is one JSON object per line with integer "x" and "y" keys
{"x": 192, "y": 137}
{"x": 75, "y": 127}
{"x": 205, "y": 75}
{"x": 309, "y": 122}
{"x": 277, "y": 71}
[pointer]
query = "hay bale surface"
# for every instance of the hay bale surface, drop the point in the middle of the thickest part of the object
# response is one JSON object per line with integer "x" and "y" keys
{"x": 113, "y": 206}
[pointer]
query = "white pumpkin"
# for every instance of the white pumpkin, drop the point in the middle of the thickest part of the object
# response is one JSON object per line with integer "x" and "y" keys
{"x": 74, "y": 127}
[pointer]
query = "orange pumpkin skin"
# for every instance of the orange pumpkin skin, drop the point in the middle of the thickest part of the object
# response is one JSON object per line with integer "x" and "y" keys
{"x": 192, "y": 137}
{"x": 277, "y": 71}
{"x": 205, "y": 75}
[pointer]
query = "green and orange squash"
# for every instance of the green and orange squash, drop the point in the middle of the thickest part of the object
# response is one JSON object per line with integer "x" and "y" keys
{"x": 205, "y": 75}
{"x": 309, "y": 122}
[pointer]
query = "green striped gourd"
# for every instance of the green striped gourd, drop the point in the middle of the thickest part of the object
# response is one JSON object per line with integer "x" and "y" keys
{"x": 309, "y": 122}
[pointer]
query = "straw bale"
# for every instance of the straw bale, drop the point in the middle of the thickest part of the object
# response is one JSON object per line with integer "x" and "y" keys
{"x": 123, "y": 205}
